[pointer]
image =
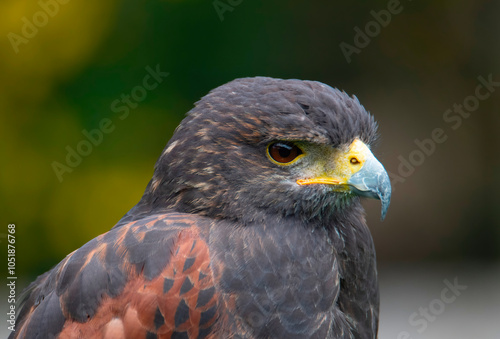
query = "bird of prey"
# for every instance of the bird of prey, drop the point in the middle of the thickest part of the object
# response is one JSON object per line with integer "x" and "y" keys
{"x": 251, "y": 227}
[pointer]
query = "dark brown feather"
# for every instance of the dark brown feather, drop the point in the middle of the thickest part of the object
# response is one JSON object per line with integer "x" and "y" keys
{"x": 148, "y": 276}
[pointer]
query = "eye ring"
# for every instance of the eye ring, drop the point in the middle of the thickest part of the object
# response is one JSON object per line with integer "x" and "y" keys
{"x": 283, "y": 152}
{"x": 354, "y": 161}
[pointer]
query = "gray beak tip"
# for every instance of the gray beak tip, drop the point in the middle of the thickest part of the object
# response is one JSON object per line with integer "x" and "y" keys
{"x": 372, "y": 181}
{"x": 385, "y": 207}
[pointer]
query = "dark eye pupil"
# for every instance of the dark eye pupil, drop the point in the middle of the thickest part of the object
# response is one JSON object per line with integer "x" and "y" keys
{"x": 284, "y": 152}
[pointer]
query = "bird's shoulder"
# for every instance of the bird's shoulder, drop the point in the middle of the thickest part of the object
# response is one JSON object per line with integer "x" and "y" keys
{"x": 149, "y": 276}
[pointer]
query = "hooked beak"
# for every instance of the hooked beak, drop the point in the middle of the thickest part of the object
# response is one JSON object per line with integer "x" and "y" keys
{"x": 372, "y": 181}
{"x": 359, "y": 172}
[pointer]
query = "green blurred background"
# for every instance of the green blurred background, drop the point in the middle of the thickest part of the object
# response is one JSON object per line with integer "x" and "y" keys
{"x": 85, "y": 55}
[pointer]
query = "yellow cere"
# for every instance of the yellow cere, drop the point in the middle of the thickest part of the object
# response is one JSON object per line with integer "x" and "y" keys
{"x": 341, "y": 165}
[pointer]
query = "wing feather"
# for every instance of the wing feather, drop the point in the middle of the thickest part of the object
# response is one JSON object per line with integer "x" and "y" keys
{"x": 145, "y": 279}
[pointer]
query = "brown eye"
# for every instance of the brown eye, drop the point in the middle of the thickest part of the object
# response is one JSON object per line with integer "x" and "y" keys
{"x": 284, "y": 152}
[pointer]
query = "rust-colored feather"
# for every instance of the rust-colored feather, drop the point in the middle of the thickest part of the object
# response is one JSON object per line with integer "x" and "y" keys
{"x": 178, "y": 298}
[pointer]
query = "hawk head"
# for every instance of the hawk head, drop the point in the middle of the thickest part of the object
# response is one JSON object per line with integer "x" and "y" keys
{"x": 260, "y": 146}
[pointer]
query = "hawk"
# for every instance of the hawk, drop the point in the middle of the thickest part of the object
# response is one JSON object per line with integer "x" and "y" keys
{"x": 251, "y": 227}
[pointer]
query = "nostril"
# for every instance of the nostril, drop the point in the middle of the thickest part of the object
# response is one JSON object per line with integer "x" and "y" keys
{"x": 354, "y": 161}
